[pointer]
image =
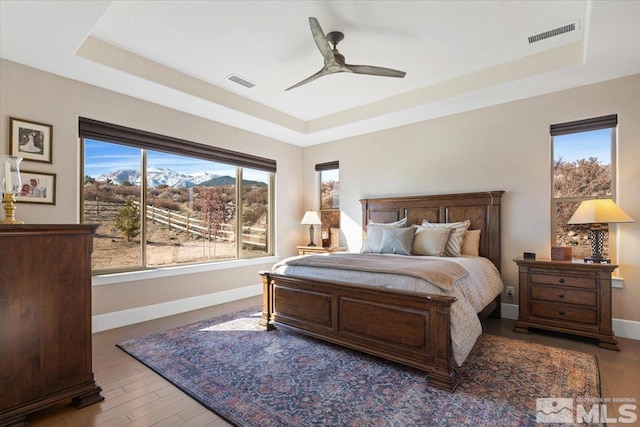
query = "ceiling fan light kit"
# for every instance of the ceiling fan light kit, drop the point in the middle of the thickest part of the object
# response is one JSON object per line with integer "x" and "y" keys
{"x": 334, "y": 61}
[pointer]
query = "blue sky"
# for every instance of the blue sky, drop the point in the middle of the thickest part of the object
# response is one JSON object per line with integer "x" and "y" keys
{"x": 331, "y": 175}
{"x": 102, "y": 157}
{"x": 576, "y": 146}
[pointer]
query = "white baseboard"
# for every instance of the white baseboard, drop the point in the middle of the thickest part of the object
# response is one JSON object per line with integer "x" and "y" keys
{"x": 621, "y": 327}
{"x": 626, "y": 328}
{"x": 509, "y": 311}
{"x": 102, "y": 322}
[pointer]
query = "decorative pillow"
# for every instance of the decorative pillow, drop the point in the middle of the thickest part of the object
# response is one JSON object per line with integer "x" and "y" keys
{"x": 455, "y": 239}
{"x": 430, "y": 240}
{"x": 397, "y": 240}
{"x": 374, "y": 235}
{"x": 471, "y": 243}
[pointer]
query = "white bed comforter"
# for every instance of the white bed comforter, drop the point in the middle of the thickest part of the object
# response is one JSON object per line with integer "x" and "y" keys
{"x": 474, "y": 292}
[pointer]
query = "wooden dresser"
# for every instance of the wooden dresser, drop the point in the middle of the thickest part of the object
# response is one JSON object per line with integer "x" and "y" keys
{"x": 566, "y": 296}
{"x": 45, "y": 319}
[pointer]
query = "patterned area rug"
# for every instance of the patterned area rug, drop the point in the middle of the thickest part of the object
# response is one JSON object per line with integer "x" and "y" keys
{"x": 255, "y": 378}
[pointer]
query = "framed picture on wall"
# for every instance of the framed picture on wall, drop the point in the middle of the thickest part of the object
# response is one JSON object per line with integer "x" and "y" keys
{"x": 30, "y": 140}
{"x": 37, "y": 187}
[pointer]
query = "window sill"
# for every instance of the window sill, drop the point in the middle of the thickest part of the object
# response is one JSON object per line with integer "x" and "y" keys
{"x": 130, "y": 276}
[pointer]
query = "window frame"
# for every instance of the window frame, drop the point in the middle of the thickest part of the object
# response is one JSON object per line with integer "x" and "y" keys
{"x": 148, "y": 141}
{"x": 321, "y": 167}
{"x": 580, "y": 126}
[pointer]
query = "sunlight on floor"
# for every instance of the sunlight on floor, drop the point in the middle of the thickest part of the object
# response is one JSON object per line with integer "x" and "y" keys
{"x": 250, "y": 324}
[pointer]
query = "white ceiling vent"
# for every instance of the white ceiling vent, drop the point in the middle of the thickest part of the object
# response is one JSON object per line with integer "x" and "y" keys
{"x": 241, "y": 81}
{"x": 555, "y": 32}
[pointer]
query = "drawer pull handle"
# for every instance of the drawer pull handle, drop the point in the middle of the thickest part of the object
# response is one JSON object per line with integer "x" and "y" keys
{"x": 561, "y": 296}
{"x": 561, "y": 280}
{"x": 561, "y": 312}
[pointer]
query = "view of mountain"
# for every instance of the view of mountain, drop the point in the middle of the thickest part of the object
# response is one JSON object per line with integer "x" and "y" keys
{"x": 164, "y": 176}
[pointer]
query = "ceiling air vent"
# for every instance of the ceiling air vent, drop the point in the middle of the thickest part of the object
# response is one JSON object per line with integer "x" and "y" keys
{"x": 244, "y": 82}
{"x": 555, "y": 32}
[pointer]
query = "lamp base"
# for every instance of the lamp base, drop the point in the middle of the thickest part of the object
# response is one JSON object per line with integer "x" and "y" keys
{"x": 311, "y": 236}
{"x": 596, "y": 234}
{"x": 594, "y": 260}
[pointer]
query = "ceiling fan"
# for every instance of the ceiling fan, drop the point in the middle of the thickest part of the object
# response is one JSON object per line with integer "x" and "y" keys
{"x": 334, "y": 60}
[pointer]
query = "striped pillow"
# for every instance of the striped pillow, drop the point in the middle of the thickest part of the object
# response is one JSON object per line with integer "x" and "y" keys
{"x": 455, "y": 239}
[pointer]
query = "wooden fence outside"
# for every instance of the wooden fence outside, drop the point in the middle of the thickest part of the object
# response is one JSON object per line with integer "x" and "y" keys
{"x": 252, "y": 236}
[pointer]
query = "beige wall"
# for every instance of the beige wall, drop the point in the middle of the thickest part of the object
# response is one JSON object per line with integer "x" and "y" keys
{"x": 35, "y": 95}
{"x": 498, "y": 148}
{"x": 505, "y": 147}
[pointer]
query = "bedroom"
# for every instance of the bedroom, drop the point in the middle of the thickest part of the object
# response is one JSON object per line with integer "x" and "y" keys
{"x": 498, "y": 147}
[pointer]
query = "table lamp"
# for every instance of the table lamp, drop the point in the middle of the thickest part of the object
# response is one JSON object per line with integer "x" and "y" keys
{"x": 311, "y": 218}
{"x": 598, "y": 212}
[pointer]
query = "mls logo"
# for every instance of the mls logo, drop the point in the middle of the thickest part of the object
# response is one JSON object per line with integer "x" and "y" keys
{"x": 554, "y": 410}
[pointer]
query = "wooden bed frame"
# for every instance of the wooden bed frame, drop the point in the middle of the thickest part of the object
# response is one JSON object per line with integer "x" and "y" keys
{"x": 406, "y": 327}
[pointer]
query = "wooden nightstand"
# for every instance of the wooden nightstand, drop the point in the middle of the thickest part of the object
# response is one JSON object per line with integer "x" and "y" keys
{"x": 566, "y": 296}
{"x": 302, "y": 250}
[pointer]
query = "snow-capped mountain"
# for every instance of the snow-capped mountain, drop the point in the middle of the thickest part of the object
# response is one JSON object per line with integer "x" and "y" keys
{"x": 157, "y": 177}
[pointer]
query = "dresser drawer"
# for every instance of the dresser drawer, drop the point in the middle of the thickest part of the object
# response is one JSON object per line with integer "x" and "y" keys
{"x": 548, "y": 278}
{"x": 564, "y": 312}
{"x": 564, "y": 295}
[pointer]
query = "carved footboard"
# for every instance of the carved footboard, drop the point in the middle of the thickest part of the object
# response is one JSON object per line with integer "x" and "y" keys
{"x": 405, "y": 327}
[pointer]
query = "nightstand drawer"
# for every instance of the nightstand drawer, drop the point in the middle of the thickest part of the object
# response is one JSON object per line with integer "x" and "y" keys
{"x": 586, "y": 281}
{"x": 564, "y": 312}
{"x": 564, "y": 295}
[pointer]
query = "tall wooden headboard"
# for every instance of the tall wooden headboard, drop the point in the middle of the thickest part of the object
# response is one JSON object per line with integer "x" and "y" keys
{"x": 482, "y": 209}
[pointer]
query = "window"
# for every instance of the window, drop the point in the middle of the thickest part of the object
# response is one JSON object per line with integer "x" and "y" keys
{"x": 159, "y": 201}
{"x": 583, "y": 167}
{"x": 330, "y": 203}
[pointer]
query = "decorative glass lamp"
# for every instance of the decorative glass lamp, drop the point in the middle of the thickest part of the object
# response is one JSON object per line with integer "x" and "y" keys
{"x": 10, "y": 185}
{"x": 598, "y": 212}
{"x": 311, "y": 218}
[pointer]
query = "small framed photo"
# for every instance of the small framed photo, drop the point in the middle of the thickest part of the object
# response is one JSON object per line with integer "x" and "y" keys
{"x": 37, "y": 187}
{"x": 30, "y": 140}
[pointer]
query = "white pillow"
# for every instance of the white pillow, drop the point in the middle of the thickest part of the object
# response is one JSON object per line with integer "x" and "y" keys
{"x": 430, "y": 240}
{"x": 471, "y": 243}
{"x": 400, "y": 223}
{"x": 455, "y": 239}
{"x": 374, "y": 235}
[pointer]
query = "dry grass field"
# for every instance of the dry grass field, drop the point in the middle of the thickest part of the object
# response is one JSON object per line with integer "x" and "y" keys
{"x": 165, "y": 246}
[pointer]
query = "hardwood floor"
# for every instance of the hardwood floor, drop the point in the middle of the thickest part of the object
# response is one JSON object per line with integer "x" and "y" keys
{"x": 136, "y": 396}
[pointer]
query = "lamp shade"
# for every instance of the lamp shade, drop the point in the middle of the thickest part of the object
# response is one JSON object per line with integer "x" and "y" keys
{"x": 311, "y": 218}
{"x": 599, "y": 211}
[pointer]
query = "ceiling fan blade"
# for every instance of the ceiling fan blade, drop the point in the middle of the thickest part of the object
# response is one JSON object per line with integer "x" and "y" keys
{"x": 321, "y": 40}
{"x": 320, "y": 73}
{"x": 334, "y": 60}
{"x": 374, "y": 71}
